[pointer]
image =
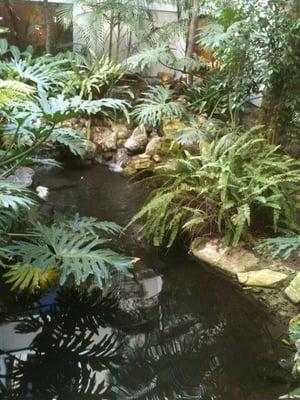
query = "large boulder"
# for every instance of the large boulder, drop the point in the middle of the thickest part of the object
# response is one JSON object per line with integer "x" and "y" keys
{"x": 105, "y": 138}
{"x": 293, "y": 290}
{"x": 23, "y": 176}
{"x": 137, "y": 141}
{"x": 230, "y": 260}
{"x": 263, "y": 278}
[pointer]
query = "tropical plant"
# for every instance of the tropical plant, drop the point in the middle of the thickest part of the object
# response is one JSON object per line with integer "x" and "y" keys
{"x": 93, "y": 77}
{"x": 158, "y": 102}
{"x": 294, "y": 363}
{"x": 109, "y": 25}
{"x": 11, "y": 90}
{"x": 75, "y": 251}
{"x": 224, "y": 190}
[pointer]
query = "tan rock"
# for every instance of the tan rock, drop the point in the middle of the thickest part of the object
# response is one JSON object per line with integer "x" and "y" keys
{"x": 121, "y": 131}
{"x": 172, "y": 126}
{"x": 157, "y": 145}
{"x": 263, "y": 278}
{"x": 91, "y": 150}
{"x": 230, "y": 260}
{"x": 137, "y": 163}
{"x": 105, "y": 138}
{"x": 293, "y": 290}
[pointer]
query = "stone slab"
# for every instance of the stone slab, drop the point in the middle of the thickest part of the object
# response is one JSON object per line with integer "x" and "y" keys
{"x": 293, "y": 290}
{"x": 261, "y": 278}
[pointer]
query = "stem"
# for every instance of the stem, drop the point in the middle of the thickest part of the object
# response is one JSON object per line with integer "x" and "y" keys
{"x": 47, "y": 27}
{"x": 25, "y": 153}
{"x": 12, "y": 143}
{"x": 192, "y": 35}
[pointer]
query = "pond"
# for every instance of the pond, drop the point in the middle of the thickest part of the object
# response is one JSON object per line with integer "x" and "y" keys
{"x": 172, "y": 331}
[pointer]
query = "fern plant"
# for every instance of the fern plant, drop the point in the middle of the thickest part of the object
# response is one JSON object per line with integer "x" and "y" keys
{"x": 157, "y": 103}
{"x": 223, "y": 191}
{"x": 91, "y": 77}
{"x": 281, "y": 246}
{"x": 76, "y": 251}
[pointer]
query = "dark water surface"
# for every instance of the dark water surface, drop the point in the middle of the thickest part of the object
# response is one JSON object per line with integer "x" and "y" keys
{"x": 174, "y": 331}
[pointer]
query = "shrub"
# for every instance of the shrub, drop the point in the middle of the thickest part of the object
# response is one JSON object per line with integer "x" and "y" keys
{"x": 223, "y": 190}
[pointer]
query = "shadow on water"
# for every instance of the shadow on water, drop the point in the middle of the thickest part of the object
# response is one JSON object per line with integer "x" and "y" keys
{"x": 173, "y": 331}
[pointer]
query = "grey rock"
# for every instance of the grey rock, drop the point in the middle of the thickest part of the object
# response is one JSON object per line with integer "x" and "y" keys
{"x": 137, "y": 141}
{"x": 23, "y": 177}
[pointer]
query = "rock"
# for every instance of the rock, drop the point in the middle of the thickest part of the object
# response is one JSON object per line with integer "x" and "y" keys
{"x": 137, "y": 163}
{"x": 156, "y": 158}
{"x": 42, "y": 192}
{"x": 293, "y": 290}
{"x": 23, "y": 177}
{"x": 122, "y": 157}
{"x": 166, "y": 78}
{"x": 157, "y": 145}
{"x": 263, "y": 278}
{"x": 121, "y": 131}
{"x": 91, "y": 150}
{"x": 230, "y": 260}
{"x": 105, "y": 138}
{"x": 107, "y": 155}
{"x": 171, "y": 126}
{"x": 137, "y": 141}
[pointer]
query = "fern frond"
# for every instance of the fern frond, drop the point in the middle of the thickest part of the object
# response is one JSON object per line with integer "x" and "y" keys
{"x": 281, "y": 246}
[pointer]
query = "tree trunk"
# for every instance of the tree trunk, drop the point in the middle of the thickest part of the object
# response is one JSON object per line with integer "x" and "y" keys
{"x": 47, "y": 20}
{"x": 191, "y": 43}
{"x": 14, "y": 18}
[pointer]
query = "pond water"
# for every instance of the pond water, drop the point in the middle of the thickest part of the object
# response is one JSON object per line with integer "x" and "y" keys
{"x": 173, "y": 331}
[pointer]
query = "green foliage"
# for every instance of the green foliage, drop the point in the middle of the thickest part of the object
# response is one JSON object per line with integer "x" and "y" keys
{"x": 281, "y": 246}
{"x": 149, "y": 57}
{"x": 157, "y": 103}
{"x": 13, "y": 90}
{"x": 224, "y": 190}
{"x": 294, "y": 339}
{"x": 75, "y": 248}
{"x": 44, "y": 73}
{"x": 14, "y": 196}
{"x": 92, "y": 77}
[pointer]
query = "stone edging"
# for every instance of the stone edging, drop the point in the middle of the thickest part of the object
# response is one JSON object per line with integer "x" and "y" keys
{"x": 274, "y": 284}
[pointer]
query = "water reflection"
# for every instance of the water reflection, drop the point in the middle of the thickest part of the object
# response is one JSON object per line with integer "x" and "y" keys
{"x": 154, "y": 337}
{"x": 173, "y": 331}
